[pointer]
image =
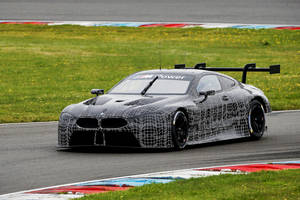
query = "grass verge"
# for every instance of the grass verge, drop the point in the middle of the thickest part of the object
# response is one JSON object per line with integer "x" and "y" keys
{"x": 45, "y": 68}
{"x": 260, "y": 185}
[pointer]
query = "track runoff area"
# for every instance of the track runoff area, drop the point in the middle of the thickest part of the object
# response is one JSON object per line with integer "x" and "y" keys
{"x": 75, "y": 190}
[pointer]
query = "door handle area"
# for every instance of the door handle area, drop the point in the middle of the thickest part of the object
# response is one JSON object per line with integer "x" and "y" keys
{"x": 225, "y": 98}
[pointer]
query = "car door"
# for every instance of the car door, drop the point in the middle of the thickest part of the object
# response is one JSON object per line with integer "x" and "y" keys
{"x": 210, "y": 108}
{"x": 234, "y": 106}
{"x": 229, "y": 105}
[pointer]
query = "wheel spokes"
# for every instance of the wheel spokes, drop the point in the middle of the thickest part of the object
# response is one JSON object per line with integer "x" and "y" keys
{"x": 181, "y": 126}
{"x": 257, "y": 119}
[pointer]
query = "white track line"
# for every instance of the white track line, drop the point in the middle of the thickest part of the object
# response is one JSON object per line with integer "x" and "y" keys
{"x": 285, "y": 111}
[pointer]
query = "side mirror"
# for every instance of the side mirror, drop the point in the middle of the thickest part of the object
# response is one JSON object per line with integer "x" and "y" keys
{"x": 211, "y": 92}
{"x": 208, "y": 93}
{"x": 97, "y": 91}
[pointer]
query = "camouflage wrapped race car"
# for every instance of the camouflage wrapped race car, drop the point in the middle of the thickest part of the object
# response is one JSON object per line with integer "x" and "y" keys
{"x": 168, "y": 108}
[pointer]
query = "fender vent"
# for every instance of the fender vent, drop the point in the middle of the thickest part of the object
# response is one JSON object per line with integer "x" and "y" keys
{"x": 87, "y": 122}
{"x": 113, "y": 123}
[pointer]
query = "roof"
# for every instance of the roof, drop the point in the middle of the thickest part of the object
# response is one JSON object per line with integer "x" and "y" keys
{"x": 175, "y": 71}
{"x": 192, "y": 72}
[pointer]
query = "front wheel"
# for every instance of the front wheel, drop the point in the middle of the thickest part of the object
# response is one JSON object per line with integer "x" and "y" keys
{"x": 179, "y": 130}
{"x": 256, "y": 120}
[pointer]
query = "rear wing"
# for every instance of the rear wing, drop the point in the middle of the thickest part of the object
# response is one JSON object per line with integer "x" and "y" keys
{"x": 251, "y": 67}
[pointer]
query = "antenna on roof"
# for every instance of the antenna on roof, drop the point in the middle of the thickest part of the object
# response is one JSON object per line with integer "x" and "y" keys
{"x": 159, "y": 47}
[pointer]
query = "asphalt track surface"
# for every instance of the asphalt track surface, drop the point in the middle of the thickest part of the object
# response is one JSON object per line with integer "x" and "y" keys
{"x": 218, "y": 11}
{"x": 29, "y": 158}
{"x": 28, "y": 155}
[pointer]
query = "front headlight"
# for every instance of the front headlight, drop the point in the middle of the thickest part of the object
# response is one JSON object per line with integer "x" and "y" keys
{"x": 66, "y": 118}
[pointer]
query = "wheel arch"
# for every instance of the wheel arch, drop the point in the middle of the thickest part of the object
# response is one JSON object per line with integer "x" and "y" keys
{"x": 263, "y": 103}
{"x": 184, "y": 110}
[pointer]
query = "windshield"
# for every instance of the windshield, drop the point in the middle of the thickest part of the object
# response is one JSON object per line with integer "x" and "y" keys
{"x": 165, "y": 84}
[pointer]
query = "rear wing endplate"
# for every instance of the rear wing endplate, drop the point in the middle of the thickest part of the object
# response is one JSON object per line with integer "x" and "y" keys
{"x": 251, "y": 67}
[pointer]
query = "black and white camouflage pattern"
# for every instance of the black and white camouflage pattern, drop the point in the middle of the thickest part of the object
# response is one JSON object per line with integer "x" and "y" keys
{"x": 149, "y": 118}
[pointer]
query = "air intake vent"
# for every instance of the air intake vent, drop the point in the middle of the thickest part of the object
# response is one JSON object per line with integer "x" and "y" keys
{"x": 113, "y": 123}
{"x": 121, "y": 139}
{"x": 82, "y": 138}
{"x": 87, "y": 123}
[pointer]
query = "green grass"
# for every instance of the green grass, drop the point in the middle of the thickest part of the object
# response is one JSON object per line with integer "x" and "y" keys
{"x": 281, "y": 185}
{"x": 45, "y": 68}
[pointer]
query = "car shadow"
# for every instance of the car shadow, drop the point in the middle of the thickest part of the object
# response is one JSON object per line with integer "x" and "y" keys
{"x": 129, "y": 150}
{"x": 220, "y": 143}
{"x": 117, "y": 150}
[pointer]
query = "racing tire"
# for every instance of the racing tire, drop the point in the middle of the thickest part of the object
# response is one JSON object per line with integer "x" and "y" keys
{"x": 179, "y": 130}
{"x": 256, "y": 120}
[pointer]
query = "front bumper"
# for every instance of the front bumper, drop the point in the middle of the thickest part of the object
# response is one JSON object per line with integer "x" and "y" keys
{"x": 149, "y": 131}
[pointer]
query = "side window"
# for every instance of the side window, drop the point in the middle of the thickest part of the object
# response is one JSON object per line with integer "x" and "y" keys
{"x": 209, "y": 82}
{"x": 226, "y": 83}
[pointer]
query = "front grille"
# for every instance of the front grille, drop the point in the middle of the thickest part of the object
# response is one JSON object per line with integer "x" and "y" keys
{"x": 87, "y": 122}
{"x": 113, "y": 123}
{"x": 125, "y": 139}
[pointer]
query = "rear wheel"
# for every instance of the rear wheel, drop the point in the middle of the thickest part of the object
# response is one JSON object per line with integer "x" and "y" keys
{"x": 179, "y": 130}
{"x": 256, "y": 120}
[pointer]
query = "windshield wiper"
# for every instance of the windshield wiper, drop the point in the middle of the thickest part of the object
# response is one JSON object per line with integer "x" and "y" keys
{"x": 149, "y": 85}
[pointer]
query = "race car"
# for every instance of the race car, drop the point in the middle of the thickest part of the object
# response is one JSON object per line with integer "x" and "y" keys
{"x": 168, "y": 108}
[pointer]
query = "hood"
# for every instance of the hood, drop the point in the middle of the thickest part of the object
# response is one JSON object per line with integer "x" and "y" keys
{"x": 124, "y": 105}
